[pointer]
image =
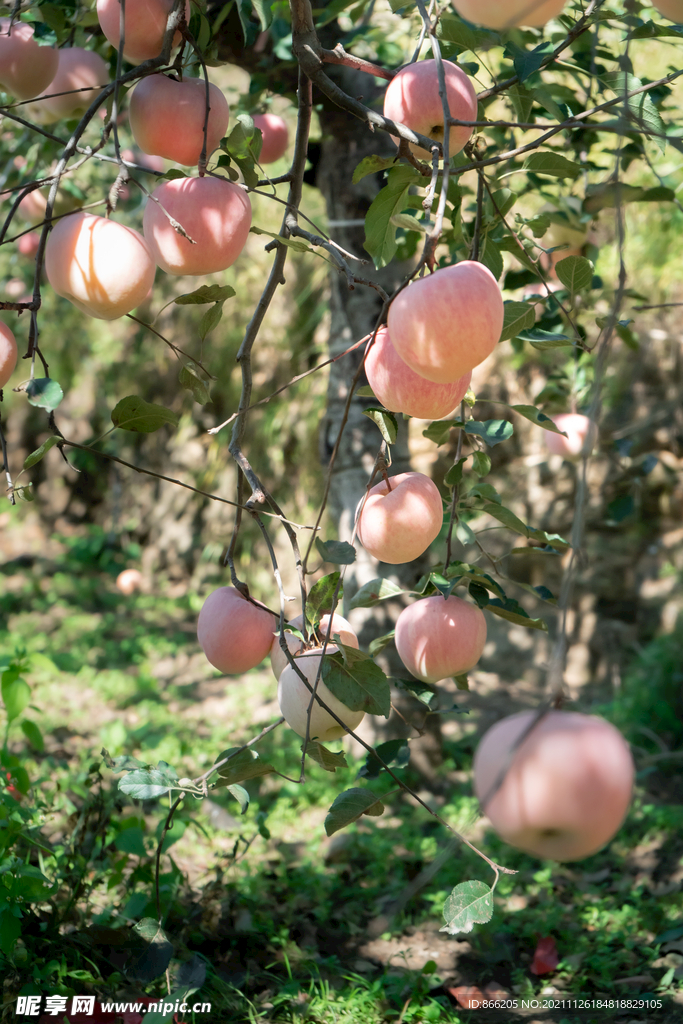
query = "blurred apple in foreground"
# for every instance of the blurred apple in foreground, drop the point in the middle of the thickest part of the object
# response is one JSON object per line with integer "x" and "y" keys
{"x": 129, "y": 581}
{"x": 582, "y": 436}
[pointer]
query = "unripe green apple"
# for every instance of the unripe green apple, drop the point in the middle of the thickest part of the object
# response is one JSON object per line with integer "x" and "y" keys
{"x": 566, "y": 788}
{"x": 508, "y": 13}
{"x": 401, "y": 518}
{"x": 234, "y": 634}
{"x": 278, "y": 658}
{"x": 294, "y": 697}
{"x": 412, "y": 98}
{"x": 439, "y": 637}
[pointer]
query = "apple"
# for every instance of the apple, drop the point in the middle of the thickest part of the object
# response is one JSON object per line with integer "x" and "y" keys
{"x": 438, "y": 637}
{"x": 28, "y": 244}
{"x": 275, "y": 137}
{"x": 294, "y": 697}
{"x": 167, "y": 118}
{"x": 671, "y": 9}
{"x": 400, "y": 518}
{"x": 144, "y": 28}
{"x": 214, "y": 212}
{"x": 8, "y": 354}
{"x": 566, "y": 789}
{"x": 25, "y": 67}
{"x": 412, "y": 98}
{"x": 78, "y": 69}
{"x": 582, "y": 436}
{"x": 278, "y": 659}
{"x": 445, "y": 324}
{"x": 508, "y": 13}
{"x": 234, "y": 633}
{"x": 32, "y": 207}
{"x": 103, "y": 267}
{"x": 400, "y": 389}
{"x": 129, "y": 581}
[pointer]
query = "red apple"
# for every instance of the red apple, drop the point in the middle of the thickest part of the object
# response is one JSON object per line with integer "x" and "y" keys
{"x": 28, "y": 244}
{"x": 412, "y": 98}
{"x": 582, "y": 436}
{"x": 275, "y": 137}
{"x": 234, "y": 633}
{"x": 25, "y": 67}
{"x": 294, "y": 697}
{"x": 78, "y": 69}
{"x": 167, "y": 118}
{"x": 508, "y": 13}
{"x": 215, "y": 213}
{"x": 400, "y": 389}
{"x": 8, "y": 354}
{"x": 438, "y": 637}
{"x": 567, "y": 788}
{"x": 144, "y": 28}
{"x": 401, "y": 518}
{"x": 445, "y": 324}
{"x": 278, "y": 659}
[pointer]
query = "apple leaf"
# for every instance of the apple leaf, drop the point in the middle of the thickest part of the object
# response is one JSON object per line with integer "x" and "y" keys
{"x": 245, "y": 765}
{"x": 39, "y": 453}
{"x": 553, "y": 164}
{"x": 327, "y": 759}
{"x": 16, "y": 693}
{"x": 394, "y": 754}
{"x": 421, "y": 691}
{"x": 44, "y": 393}
{"x": 373, "y": 592}
{"x": 340, "y": 552}
{"x": 386, "y": 422}
{"x": 575, "y": 273}
{"x": 207, "y": 293}
{"x": 145, "y": 784}
{"x": 241, "y": 796}
{"x": 380, "y": 642}
{"x": 439, "y": 431}
{"x": 512, "y": 611}
{"x": 517, "y": 316}
{"x": 359, "y": 684}
{"x": 133, "y": 413}
{"x": 349, "y": 806}
{"x": 469, "y": 903}
{"x": 492, "y": 432}
{"x": 191, "y": 381}
{"x": 530, "y": 412}
{"x": 321, "y": 597}
{"x": 380, "y": 233}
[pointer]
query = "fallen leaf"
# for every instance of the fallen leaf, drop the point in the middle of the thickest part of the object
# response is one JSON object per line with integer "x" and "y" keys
{"x": 468, "y": 996}
{"x": 546, "y": 957}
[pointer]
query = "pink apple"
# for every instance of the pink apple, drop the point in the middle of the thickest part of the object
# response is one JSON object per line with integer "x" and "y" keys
{"x": 566, "y": 789}
{"x": 439, "y": 637}
{"x": 215, "y": 213}
{"x": 144, "y": 28}
{"x": 400, "y": 519}
{"x": 400, "y": 389}
{"x": 508, "y": 13}
{"x": 582, "y": 436}
{"x": 25, "y": 67}
{"x": 167, "y": 118}
{"x": 671, "y": 9}
{"x": 275, "y": 137}
{"x": 234, "y": 633}
{"x": 294, "y": 697}
{"x": 129, "y": 581}
{"x": 8, "y": 354}
{"x": 445, "y": 324}
{"x": 278, "y": 659}
{"x": 78, "y": 69}
{"x": 412, "y": 98}
{"x": 28, "y": 244}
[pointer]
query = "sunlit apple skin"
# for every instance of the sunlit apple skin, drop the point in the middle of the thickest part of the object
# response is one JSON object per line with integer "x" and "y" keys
{"x": 437, "y": 637}
{"x": 103, "y": 267}
{"x": 129, "y": 581}
{"x": 275, "y": 137}
{"x": 398, "y": 523}
{"x": 78, "y": 69}
{"x": 167, "y": 118}
{"x": 582, "y": 436}
{"x": 508, "y": 13}
{"x": 278, "y": 659}
{"x": 671, "y": 9}
{"x": 214, "y": 212}
{"x": 294, "y": 697}
{"x": 400, "y": 389}
{"x": 234, "y": 634}
{"x": 568, "y": 788}
{"x": 25, "y": 67}
{"x": 144, "y": 29}
{"x": 8, "y": 354}
{"x": 32, "y": 207}
{"x": 444, "y": 325}
{"x": 412, "y": 98}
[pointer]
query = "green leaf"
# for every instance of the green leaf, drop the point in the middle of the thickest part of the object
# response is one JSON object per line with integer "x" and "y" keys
{"x": 394, "y": 753}
{"x": 145, "y": 784}
{"x": 156, "y": 953}
{"x": 553, "y": 164}
{"x": 530, "y": 412}
{"x": 454, "y": 475}
{"x": 339, "y": 552}
{"x": 210, "y": 319}
{"x": 241, "y": 796}
{"x": 380, "y": 233}
{"x": 512, "y": 611}
{"x": 527, "y": 62}
{"x": 492, "y": 432}
{"x": 481, "y": 463}
{"x": 517, "y": 316}
{"x": 44, "y": 393}
{"x": 33, "y": 735}
{"x": 380, "y": 642}
{"x": 421, "y": 691}
{"x": 131, "y": 840}
{"x": 522, "y": 100}
{"x": 122, "y": 764}
{"x": 16, "y": 693}
{"x": 371, "y": 165}
{"x": 38, "y": 454}
{"x": 466, "y": 36}
{"x": 191, "y": 381}
{"x": 575, "y": 273}
{"x": 321, "y": 597}
{"x": 243, "y": 146}
{"x": 327, "y": 759}
{"x": 489, "y": 255}
{"x": 386, "y": 421}
{"x": 10, "y": 931}
{"x": 359, "y": 684}
{"x": 349, "y": 806}
{"x": 240, "y": 767}
{"x": 641, "y": 107}
{"x": 507, "y": 517}
{"x": 373, "y": 592}
{"x": 439, "y": 431}
{"x": 207, "y": 293}
{"x": 365, "y": 392}
{"x": 173, "y": 174}
{"x": 264, "y": 12}
{"x": 542, "y": 340}
{"x": 469, "y": 903}
{"x": 133, "y": 413}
